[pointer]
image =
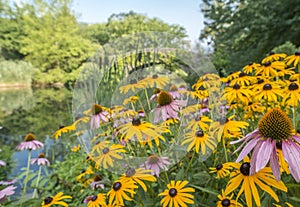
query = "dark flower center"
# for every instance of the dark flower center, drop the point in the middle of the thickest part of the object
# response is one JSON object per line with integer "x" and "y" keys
{"x": 97, "y": 178}
{"x": 173, "y": 88}
{"x": 136, "y": 122}
{"x": 105, "y": 150}
{"x": 267, "y": 87}
{"x": 48, "y": 200}
{"x": 172, "y": 192}
{"x": 155, "y": 76}
{"x": 275, "y": 124}
{"x": 245, "y": 168}
{"x": 153, "y": 159}
{"x": 271, "y": 53}
{"x": 251, "y": 63}
{"x": 266, "y": 64}
{"x": 41, "y": 155}
{"x": 94, "y": 198}
{"x": 199, "y": 133}
{"x": 250, "y": 103}
{"x": 225, "y": 202}
{"x": 297, "y": 53}
{"x": 164, "y": 98}
{"x": 133, "y": 81}
{"x": 62, "y": 126}
{"x": 293, "y": 86}
{"x": 242, "y": 74}
{"x": 223, "y": 120}
{"x": 29, "y": 137}
{"x": 130, "y": 172}
{"x": 156, "y": 91}
{"x": 198, "y": 118}
{"x": 259, "y": 81}
{"x": 117, "y": 186}
{"x": 279, "y": 145}
{"x": 236, "y": 86}
{"x": 219, "y": 166}
{"x": 96, "y": 109}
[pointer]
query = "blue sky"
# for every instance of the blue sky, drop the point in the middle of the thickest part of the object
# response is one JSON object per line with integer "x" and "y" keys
{"x": 183, "y": 12}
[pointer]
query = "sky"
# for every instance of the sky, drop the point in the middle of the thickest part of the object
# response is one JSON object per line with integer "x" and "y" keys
{"x": 185, "y": 13}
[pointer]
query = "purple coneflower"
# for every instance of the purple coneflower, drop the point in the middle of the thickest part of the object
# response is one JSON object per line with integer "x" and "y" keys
{"x": 9, "y": 182}
{"x": 97, "y": 182}
{"x": 174, "y": 92}
{"x": 99, "y": 114}
{"x": 274, "y": 131}
{"x": 156, "y": 164}
{"x": 10, "y": 190}
{"x": 40, "y": 160}
{"x": 30, "y": 143}
{"x": 167, "y": 107}
{"x": 2, "y": 163}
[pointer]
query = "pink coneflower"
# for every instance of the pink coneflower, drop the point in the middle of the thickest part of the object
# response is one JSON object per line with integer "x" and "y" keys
{"x": 40, "y": 160}
{"x": 167, "y": 107}
{"x": 274, "y": 131}
{"x": 10, "y": 190}
{"x": 156, "y": 164}
{"x": 97, "y": 182}
{"x": 9, "y": 182}
{"x": 30, "y": 143}
{"x": 99, "y": 114}
{"x": 174, "y": 92}
{"x": 2, "y": 163}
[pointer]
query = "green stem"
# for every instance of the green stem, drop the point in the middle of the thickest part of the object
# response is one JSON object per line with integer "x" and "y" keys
{"x": 190, "y": 164}
{"x": 37, "y": 182}
{"x": 224, "y": 147}
{"x": 295, "y": 117}
{"x": 27, "y": 175}
{"x": 147, "y": 98}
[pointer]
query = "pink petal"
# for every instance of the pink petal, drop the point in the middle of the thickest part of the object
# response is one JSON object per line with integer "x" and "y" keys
{"x": 264, "y": 154}
{"x": 247, "y": 149}
{"x": 274, "y": 162}
{"x": 291, "y": 154}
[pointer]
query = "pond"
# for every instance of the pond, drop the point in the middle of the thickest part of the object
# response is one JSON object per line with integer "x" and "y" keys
{"x": 38, "y": 111}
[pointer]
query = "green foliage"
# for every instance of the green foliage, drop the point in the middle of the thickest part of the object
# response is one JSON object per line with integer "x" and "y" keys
{"x": 244, "y": 31}
{"x": 287, "y": 48}
{"x": 16, "y": 72}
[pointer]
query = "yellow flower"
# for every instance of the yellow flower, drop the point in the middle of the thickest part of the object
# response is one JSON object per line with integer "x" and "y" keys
{"x": 270, "y": 69}
{"x": 287, "y": 204}
{"x": 237, "y": 93}
{"x": 155, "y": 81}
{"x": 222, "y": 170}
{"x": 200, "y": 122}
{"x": 269, "y": 91}
{"x": 97, "y": 201}
{"x": 199, "y": 139}
{"x": 264, "y": 179}
{"x": 138, "y": 176}
{"x": 117, "y": 194}
{"x": 148, "y": 139}
{"x": 88, "y": 171}
{"x": 108, "y": 155}
{"x": 133, "y": 86}
{"x": 291, "y": 94}
{"x": 293, "y": 59}
{"x": 243, "y": 79}
{"x": 76, "y": 148}
{"x": 177, "y": 195}
{"x": 55, "y": 200}
{"x": 64, "y": 129}
{"x": 250, "y": 68}
{"x": 274, "y": 57}
{"x": 131, "y": 99}
{"x": 227, "y": 201}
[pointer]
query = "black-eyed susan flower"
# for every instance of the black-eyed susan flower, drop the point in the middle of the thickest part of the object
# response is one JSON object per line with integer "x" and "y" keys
{"x": 177, "y": 194}
{"x": 133, "y": 86}
{"x": 227, "y": 127}
{"x": 263, "y": 179}
{"x": 293, "y": 59}
{"x": 108, "y": 155}
{"x": 30, "y": 143}
{"x": 96, "y": 200}
{"x": 270, "y": 69}
{"x": 250, "y": 68}
{"x": 199, "y": 140}
{"x": 131, "y": 99}
{"x": 76, "y": 148}
{"x": 254, "y": 107}
{"x": 274, "y": 57}
{"x": 167, "y": 107}
{"x": 222, "y": 170}
{"x": 155, "y": 81}
{"x": 291, "y": 94}
{"x": 287, "y": 204}
{"x": 199, "y": 122}
{"x": 121, "y": 190}
{"x": 243, "y": 79}
{"x": 275, "y": 126}
{"x": 138, "y": 176}
{"x": 156, "y": 138}
{"x": 226, "y": 201}
{"x": 64, "y": 129}
{"x": 136, "y": 129}
{"x": 88, "y": 171}
{"x": 269, "y": 91}
{"x": 237, "y": 93}
{"x": 56, "y": 200}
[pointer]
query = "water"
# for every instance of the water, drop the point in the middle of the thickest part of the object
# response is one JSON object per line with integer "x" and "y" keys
{"x": 37, "y": 111}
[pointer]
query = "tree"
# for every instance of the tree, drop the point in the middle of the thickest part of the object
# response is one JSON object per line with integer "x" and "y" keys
{"x": 244, "y": 31}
